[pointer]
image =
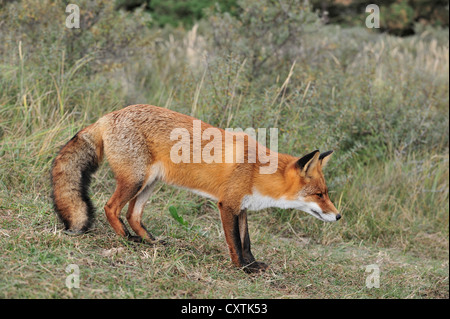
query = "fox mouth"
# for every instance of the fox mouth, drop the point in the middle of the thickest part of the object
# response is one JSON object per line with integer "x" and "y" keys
{"x": 324, "y": 217}
{"x": 316, "y": 214}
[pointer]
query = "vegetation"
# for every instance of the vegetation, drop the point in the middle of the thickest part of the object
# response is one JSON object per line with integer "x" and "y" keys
{"x": 399, "y": 17}
{"x": 178, "y": 13}
{"x": 381, "y": 102}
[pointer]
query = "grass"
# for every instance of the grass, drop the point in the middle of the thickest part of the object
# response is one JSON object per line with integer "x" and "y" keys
{"x": 35, "y": 254}
{"x": 380, "y": 102}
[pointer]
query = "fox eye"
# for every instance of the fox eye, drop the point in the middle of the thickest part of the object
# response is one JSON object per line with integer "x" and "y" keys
{"x": 319, "y": 194}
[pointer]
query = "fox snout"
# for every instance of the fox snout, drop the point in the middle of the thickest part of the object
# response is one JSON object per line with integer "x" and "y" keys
{"x": 333, "y": 212}
{"x": 332, "y": 216}
{"x": 324, "y": 211}
{"x": 335, "y": 216}
{"x": 326, "y": 217}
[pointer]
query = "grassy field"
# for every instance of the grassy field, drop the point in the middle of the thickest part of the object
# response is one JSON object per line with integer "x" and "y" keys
{"x": 379, "y": 101}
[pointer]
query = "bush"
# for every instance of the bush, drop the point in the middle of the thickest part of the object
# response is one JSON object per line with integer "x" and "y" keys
{"x": 178, "y": 13}
{"x": 397, "y": 17}
{"x": 268, "y": 35}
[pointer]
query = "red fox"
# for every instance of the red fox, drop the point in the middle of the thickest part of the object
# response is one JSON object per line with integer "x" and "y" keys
{"x": 141, "y": 149}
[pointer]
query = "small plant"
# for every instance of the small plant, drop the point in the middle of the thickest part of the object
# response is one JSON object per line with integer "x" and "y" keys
{"x": 174, "y": 213}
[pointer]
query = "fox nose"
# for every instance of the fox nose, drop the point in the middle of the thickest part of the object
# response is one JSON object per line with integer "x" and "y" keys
{"x": 338, "y": 216}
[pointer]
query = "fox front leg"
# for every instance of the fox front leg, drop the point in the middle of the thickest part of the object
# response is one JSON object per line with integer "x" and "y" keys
{"x": 234, "y": 222}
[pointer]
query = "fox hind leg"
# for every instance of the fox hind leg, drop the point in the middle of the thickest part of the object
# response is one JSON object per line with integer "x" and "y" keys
{"x": 135, "y": 211}
{"x": 125, "y": 191}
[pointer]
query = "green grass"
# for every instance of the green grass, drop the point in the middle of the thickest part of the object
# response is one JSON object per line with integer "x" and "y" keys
{"x": 35, "y": 254}
{"x": 379, "y": 101}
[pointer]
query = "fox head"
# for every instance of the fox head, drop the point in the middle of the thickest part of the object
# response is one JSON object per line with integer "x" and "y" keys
{"x": 300, "y": 185}
{"x": 308, "y": 189}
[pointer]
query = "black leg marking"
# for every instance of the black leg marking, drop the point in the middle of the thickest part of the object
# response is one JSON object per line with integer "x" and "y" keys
{"x": 237, "y": 240}
{"x": 133, "y": 238}
{"x": 249, "y": 262}
{"x": 245, "y": 239}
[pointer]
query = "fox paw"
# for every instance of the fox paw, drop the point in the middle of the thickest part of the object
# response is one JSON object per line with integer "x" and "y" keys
{"x": 135, "y": 239}
{"x": 74, "y": 233}
{"x": 148, "y": 241}
{"x": 255, "y": 267}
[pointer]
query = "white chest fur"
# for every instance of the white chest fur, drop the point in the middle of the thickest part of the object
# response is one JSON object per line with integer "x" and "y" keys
{"x": 257, "y": 201}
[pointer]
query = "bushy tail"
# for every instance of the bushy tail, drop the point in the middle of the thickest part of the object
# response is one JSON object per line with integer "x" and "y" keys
{"x": 71, "y": 176}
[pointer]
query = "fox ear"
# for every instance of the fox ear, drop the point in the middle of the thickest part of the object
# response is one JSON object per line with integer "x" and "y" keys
{"x": 308, "y": 161}
{"x": 325, "y": 157}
